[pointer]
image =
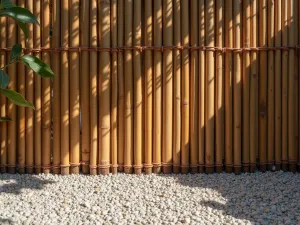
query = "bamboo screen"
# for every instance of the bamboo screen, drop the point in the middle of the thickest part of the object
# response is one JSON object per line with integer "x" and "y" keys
{"x": 155, "y": 86}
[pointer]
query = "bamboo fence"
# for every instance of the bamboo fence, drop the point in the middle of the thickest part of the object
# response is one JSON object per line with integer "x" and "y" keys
{"x": 155, "y": 86}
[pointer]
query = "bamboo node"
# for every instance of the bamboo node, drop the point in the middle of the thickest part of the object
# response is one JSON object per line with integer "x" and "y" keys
{"x": 148, "y": 166}
{"x": 184, "y": 166}
{"x": 29, "y": 166}
{"x": 156, "y": 164}
{"x": 138, "y": 166}
{"x": 114, "y": 166}
{"x": 85, "y": 163}
{"x": 103, "y": 166}
{"x": 56, "y": 166}
{"x": 166, "y": 164}
{"x": 93, "y": 166}
{"x": 127, "y": 166}
{"x": 11, "y": 165}
{"x": 46, "y": 166}
{"x": 64, "y": 166}
{"x": 74, "y": 164}
{"x": 2, "y": 166}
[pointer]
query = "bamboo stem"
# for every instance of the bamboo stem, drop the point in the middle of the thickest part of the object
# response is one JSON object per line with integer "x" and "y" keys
{"x": 263, "y": 86}
{"x": 56, "y": 86}
{"x": 210, "y": 90}
{"x": 93, "y": 89}
{"x": 104, "y": 88}
{"x": 219, "y": 87}
{"x": 228, "y": 86}
{"x": 85, "y": 86}
{"x": 65, "y": 118}
{"x": 202, "y": 100}
{"x": 148, "y": 86}
{"x": 157, "y": 87}
{"x": 194, "y": 88}
{"x": 121, "y": 109}
{"x": 167, "y": 86}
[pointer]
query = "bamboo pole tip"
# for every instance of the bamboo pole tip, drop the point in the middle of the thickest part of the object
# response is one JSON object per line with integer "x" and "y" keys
{"x": 176, "y": 169}
{"x": 128, "y": 170}
{"x": 270, "y": 167}
{"x": 228, "y": 169}
{"x": 293, "y": 168}
{"x": 21, "y": 170}
{"x": 209, "y": 170}
{"x": 46, "y": 171}
{"x": 138, "y": 171}
{"x": 284, "y": 167}
{"x": 219, "y": 169}
{"x": 120, "y": 169}
{"x": 277, "y": 167}
{"x": 194, "y": 170}
{"x": 167, "y": 169}
{"x": 65, "y": 171}
{"x": 237, "y": 170}
{"x": 114, "y": 170}
{"x": 252, "y": 168}
{"x": 262, "y": 168}
{"x": 185, "y": 170}
{"x": 156, "y": 169}
{"x": 56, "y": 170}
{"x": 93, "y": 171}
{"x": 246, "y": 169}
{"x": 148, "y": 171}
{"x": 3, "y": 170}
{"x": 201, "y": 169}
{"x": 103, "y": 171}
{"x": 11, "y": 170}
{"x": 75, "y": 170}
{"x": 85, "y": 169}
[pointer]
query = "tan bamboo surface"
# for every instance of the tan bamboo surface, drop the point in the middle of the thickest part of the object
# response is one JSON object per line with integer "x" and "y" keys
{"x": 3, "y": 101}
{"x": 271, "y": 83}
{"x": 194, "y": 96}
{"x": 185, "y": 138}
{"x": 85, "y": 85}
{"x": 285, "y": 55}
{"x": 137, "y": 80}
{"x": 37, "y": 94}
{"x": 93, "y": 89}
{"x": 21, "y": 111}
{"x": 11, "y": 108}
{"x": 104, "y": 88}
{"x": 253, "y": 88}
{"x": 201, "y": 155}
{"x": 157, "y": 108}
{"x": 177, "y": 89}
{"x": 56, "y": 100}
{"x": 121, "y": 94}
{"x": 114, "y": 90}
{"x": 291, "y": 88}
{"x": 263, "y": 85}
{"x": 210, "y": 87}
{"x": 228, "y": 86}
{"x": 219, "y": 87}
{"x": 167, "y": 87}
{"x": 148, "y": 87}
{"x": 65, "y": 101}
{"x": 278, "y": 88}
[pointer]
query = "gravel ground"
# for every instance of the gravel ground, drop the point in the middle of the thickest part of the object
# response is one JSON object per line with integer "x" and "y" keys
{"x": 269, "y": 198}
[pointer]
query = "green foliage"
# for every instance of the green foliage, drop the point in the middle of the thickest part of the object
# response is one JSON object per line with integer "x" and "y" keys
{"x": 22, "y": 16}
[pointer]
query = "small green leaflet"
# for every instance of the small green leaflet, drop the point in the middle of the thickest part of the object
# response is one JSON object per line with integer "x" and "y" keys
{"x": 16, "y": 98}
{"x": 23, "y": 28}
{"x": 37, "y": 66}
{"x": 4, "y": 79}
{"x": 15, "y": 52}
{"x": 6, "y": 4}
{"x": 5, "y": 119}
{"x": 19, "y": 14}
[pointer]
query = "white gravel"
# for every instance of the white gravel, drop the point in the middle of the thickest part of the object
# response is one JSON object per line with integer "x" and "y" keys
{"x": 269, "y": 198}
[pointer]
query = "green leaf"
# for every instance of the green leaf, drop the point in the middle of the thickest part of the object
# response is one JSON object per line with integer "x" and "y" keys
{"x": 16, "y": 98}
{"x": 20, "y": 14}
{"x": 23, "y": 28}
{"x": 5, "y": 119}
{"x": 15, "y": 52}
{"x": 37, "y": 66}
{"x": 4, "y": 79}
{"x": 6, "y": 4}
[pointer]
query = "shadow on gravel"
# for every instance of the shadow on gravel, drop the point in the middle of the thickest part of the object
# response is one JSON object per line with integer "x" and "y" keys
{"x": 267, "y": 198}
{"x": 5, "y": 221}
{"x": 14, "y": 183}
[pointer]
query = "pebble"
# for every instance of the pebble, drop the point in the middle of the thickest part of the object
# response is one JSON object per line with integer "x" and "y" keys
{"x": 260, "y": 198}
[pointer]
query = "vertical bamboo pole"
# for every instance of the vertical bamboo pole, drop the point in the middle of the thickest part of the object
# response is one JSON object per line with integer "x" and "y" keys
{"x": 12, "y": 126}
{"x": 277, "y": 99}
{"x": 263, "y": 86}
{"x": 185, "y": 141}
{"x": 167, "y": 86}
{"x": 148, "y": 86}
{"x": 65, "y": 118}
{"x": 104, "y": 88}
{"x": 210, "y": 88}
{"x": 93, "y": 89}
{"x": 202, "y": 100}
{"x": 56, "y": 86}
{"x": 38, "y": 93}
{"x": 3, "y": 101}
{"x": 246, "y": 85}
{"x": 177, "y": 89}
{"x": 219, "y": 87}
{"x": 157, "y": 87}
{"x": 291, "y": 88}
{"x": 137, "y": 21}
{"x": 271, "y": 108}
{"x": 29, "y": 160}
{"x": 298, "y": 55}
{"x": 285, "y": 55}
{"x": 74, "y": 90}
{"x": 228, "y": 86}
{"x": 194, "y": 87}
{"x": 121, "y": 109}
{"x": 114, "y": 91}
{"x": 85, "y": 86}
{"x": 253, "y": 88}
{"x": 21, "y": 156}
{"x": 46, "y": 91}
